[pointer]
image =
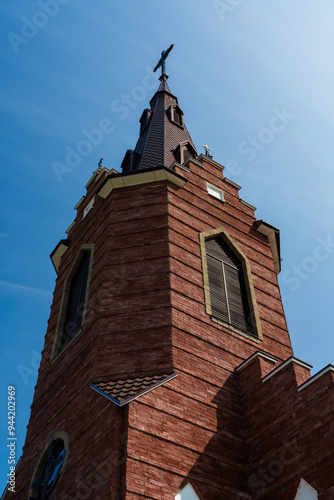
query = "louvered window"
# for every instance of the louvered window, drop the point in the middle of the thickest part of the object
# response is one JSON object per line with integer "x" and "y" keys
{"x": 227, "y": 285}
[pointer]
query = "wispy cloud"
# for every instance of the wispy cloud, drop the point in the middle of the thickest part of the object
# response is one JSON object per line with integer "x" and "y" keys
{"x": 16, "y": 287}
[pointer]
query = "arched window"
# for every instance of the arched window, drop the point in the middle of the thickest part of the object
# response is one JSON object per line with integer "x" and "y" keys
{"x": 77, "y": 296}
{"x": 229, "y": 292}
{"x": 227, "y": 287}
{"x": 74, "y": 302}
{"x": 50, "y": 467}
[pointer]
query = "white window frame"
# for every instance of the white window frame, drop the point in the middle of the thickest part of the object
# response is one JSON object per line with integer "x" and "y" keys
{"x": 215, "y": 192}
{"x": 88, "y": 207}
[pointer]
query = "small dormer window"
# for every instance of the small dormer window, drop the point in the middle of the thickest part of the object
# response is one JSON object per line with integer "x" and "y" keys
{"x": 144, "y": 119}
{"x": 184, "y": 151}
{"x": 131, "y": 161}
{"x": 175, "y": 113}
{"x": 177, "y": 116}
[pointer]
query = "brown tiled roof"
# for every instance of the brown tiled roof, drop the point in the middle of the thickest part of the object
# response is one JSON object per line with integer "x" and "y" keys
{"x": 122, "y": 392}
{"x": 162, "y": 136}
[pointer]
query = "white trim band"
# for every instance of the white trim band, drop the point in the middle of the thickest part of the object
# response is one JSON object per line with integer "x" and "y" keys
{"x": 257, "y": 354}
{"x": 283, "y": 365}
{"x": 329, "y": 368}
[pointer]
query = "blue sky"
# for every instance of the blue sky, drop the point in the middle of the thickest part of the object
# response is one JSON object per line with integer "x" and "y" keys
{"x": 255, "y": 80}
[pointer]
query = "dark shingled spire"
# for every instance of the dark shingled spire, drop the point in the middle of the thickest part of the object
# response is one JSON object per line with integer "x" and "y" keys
{"x": 164, "y": 137}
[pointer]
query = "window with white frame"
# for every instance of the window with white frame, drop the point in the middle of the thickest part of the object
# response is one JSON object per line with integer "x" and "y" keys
{"x": 216, "y": 192}
{"x": 88, "y": 208}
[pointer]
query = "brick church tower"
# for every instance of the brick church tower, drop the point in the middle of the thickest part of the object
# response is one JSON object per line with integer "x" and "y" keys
{"x": 167, "y": 371}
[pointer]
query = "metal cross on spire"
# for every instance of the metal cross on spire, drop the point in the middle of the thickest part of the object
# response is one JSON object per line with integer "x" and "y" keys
{"x": 162, "y": 61}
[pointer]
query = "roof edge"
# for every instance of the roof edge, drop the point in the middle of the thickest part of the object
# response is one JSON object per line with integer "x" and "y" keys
{"x": 58, "y": 252}
{"x": 137, "y": 177}
{"x": 328, "y": 368}
{"x": 135, "y": 396}
{"x": 286, "y": 363}
{"x": 273, "y": 235}
{"x": 257, "y": 354}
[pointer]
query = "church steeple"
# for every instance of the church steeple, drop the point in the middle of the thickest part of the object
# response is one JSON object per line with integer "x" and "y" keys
{"x": 163, "y": 138}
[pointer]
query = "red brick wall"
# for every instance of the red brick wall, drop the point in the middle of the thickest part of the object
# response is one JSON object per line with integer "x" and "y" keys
{"x": 127, "y": 332}
{"x": 289, "y": 432}
{"x": 192, "y": 429}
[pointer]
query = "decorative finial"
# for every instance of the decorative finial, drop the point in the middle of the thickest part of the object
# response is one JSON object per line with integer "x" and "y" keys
{"x": 207, "y": 149}
{"x": 100, "y": 162}
{"x": 162, "y": 61}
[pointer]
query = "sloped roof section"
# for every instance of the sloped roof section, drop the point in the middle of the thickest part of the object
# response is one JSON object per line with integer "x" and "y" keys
{"x": 162, "y": 135}
{"x": 122, "y": 392}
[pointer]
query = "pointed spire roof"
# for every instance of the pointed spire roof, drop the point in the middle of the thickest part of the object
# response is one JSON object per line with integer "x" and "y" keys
{"x": 162, "y": 133}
